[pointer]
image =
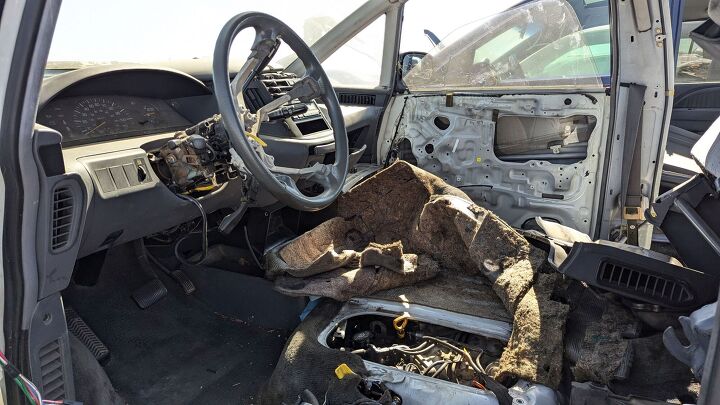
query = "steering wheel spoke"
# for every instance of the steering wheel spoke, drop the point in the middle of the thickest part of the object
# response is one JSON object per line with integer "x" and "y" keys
{"x": 264, "y": 47}
{"x": 303, "y": 172}
{"x": 325, "y": 175}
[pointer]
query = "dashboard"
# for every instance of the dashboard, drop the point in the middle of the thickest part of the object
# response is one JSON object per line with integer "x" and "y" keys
{"x": 98, "y": 136}
{"x": 104, "y": 103}
{"x": 102, "y": 129}
{"x": 83, "y": 119}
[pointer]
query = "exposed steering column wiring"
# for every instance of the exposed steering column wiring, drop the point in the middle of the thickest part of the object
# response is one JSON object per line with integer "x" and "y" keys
{"x": 204, "y": 235}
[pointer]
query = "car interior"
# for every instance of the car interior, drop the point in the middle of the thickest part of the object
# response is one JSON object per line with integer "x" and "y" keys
{"x": 474, "y": 229}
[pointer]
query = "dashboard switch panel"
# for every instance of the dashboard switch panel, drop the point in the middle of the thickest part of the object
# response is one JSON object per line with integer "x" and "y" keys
{"x": 119, "y": 173}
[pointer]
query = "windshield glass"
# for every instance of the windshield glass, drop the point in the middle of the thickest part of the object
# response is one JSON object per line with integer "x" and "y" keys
{"x": 536, "y": 45}
{"x": 90, "y": 32}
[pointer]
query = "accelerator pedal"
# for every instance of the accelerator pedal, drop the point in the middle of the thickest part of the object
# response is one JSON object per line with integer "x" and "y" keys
{"x": 86, "y": 336}
{"x": 181, "y": 278}
{"x": 147, "y": 259}
{"x": 150, "y": 293}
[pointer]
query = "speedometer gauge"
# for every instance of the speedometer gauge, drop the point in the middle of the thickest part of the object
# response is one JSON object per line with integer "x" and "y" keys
{"x": 98, "y": 116}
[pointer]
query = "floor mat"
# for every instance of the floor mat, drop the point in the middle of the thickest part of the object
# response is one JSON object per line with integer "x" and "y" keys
{"x": 178, "y": 351}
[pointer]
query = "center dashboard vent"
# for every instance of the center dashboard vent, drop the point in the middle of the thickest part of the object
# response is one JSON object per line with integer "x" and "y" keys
{"x": 275, "y": 83}
{"x": 278, "y": 83}
{"x": 63, "y": 208}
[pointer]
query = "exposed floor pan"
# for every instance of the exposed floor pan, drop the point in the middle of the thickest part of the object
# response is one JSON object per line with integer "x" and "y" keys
{"x": 424, "y": 354}
{"x": 178, "y": 351}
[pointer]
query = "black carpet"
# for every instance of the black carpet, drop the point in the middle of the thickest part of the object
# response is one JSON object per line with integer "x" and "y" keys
{"x": 180, "y": 350}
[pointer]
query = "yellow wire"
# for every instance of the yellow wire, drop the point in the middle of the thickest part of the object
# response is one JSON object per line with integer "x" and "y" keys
{"x": 256, "y": 138}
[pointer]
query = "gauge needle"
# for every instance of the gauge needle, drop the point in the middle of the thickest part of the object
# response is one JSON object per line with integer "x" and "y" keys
{"x": 92, "y": 130}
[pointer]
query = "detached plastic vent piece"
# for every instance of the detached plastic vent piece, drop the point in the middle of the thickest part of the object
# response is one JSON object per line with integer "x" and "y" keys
{"x": 51, "y": 371}
{"x": 356, "y": 99}
{"x": 62, "y": 217}
{"x": 640, "y": 275}
{"x": 669, "y": 291}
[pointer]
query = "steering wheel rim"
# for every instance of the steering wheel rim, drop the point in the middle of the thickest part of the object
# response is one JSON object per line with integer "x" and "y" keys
{"x": 280, "y": 185}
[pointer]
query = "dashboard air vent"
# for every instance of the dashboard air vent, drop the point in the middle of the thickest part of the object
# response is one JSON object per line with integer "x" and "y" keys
{"x": 51, "y": 371}
{"x": 669, "y": 291}
{"x": 254, "y": 99}
{"x": 62, "y": 217}
{"x": 278, "y": 83}
{"x": 356, "y": 99}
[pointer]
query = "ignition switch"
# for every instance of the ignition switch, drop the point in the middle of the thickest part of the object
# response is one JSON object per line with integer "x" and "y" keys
{"x": 141, "y": 174}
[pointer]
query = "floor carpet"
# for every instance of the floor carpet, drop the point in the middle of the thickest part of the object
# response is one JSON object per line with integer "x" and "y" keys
{"x": 180, "y": 350}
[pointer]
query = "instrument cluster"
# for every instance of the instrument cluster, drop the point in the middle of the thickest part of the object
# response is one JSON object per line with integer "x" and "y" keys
{"x": 86, "y": 119}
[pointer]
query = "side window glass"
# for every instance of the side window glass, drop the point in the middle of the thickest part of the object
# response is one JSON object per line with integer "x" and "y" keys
{"x": 694, "y": 65}
{"x": 359, "y": 61}
{"x": 542, "y": 43}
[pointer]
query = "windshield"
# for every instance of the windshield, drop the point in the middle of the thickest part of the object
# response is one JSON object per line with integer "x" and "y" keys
{"x": 91, "y": 32}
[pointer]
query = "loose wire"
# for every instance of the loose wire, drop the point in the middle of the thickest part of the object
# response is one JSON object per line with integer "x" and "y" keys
{"x": 204, "y": 220}
{"x": 26, "y": 386}
{"x": 252, "y": 251}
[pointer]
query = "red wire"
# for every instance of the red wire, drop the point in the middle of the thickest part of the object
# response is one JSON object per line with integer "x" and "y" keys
{"x": 34, "y": 398}
{"x": 32, "y": 395}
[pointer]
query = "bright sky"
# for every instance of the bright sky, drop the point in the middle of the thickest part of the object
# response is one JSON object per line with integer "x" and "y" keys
{"x": 157, "y": 30}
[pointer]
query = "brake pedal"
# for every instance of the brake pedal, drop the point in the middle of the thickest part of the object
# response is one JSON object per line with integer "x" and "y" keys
{"x": 86, "y": 336}
{"x": 150, "y": 293}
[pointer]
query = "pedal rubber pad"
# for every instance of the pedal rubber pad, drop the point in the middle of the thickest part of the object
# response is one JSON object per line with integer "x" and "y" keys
{"x": 184, "y": 281}
{"x": 86, "y": 336}
{"x": 150, "y": 293}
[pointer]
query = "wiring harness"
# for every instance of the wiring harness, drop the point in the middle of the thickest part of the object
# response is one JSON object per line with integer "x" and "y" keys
{"x": 26, "y": 386}
{"x": 433, "y": 357}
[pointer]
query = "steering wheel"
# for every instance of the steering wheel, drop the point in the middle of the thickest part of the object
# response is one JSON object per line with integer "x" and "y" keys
{"x": 242, "y": 125}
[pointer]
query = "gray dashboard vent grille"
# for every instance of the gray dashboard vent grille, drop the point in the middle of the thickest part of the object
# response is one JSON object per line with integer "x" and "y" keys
{"x": 51, "y": 371}
{"x": 278, "y": 83}
{"x": 357, "y": 99}
{"x": 62, "y": 217}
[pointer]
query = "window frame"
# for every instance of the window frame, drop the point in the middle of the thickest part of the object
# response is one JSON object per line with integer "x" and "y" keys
{"x": 353, "y": 24}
